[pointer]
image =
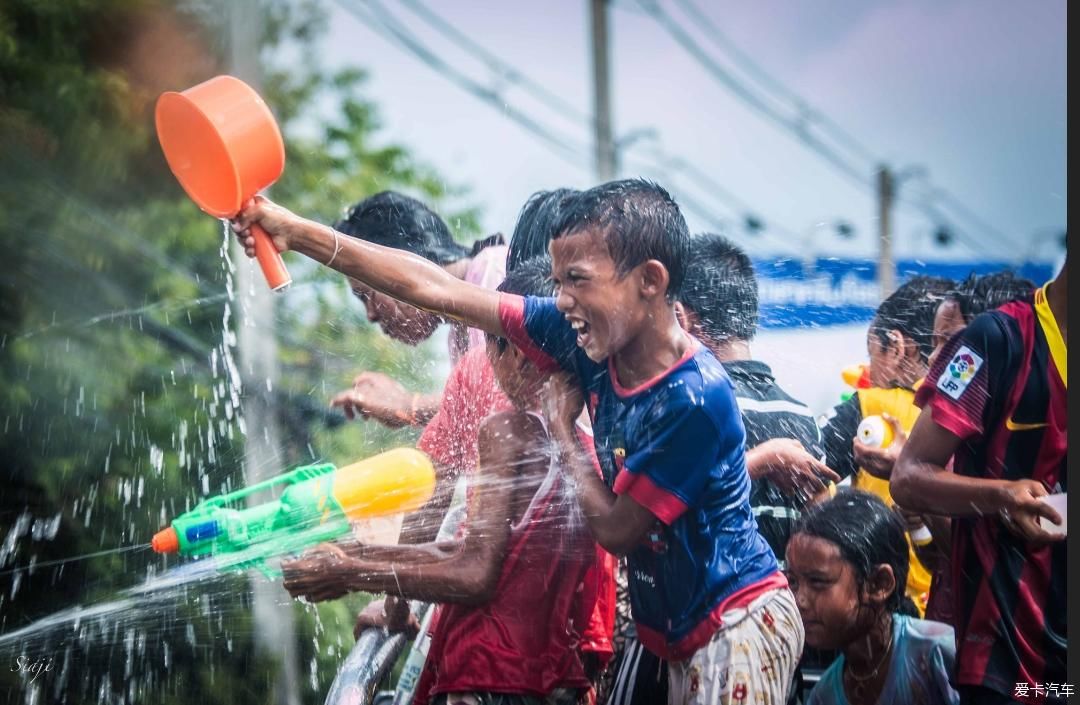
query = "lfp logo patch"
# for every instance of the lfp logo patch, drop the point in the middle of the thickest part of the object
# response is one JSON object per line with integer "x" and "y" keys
{"x": 959, "y": 372}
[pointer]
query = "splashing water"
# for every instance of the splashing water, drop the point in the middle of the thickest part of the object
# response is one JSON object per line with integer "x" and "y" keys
{"x": 151, "y": 621}
{"x": 36, "y": 565}
{"x": 228, "y": 335}
{"x": 143, "y": 624}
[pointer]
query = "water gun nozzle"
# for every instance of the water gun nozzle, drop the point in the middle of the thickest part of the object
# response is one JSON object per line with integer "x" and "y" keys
{"x": 166, "y": 541}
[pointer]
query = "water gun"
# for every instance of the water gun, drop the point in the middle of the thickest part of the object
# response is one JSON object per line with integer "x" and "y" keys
{"x": 875, "y": 432}
{"x": 317, "y": 504}
{"x": 857, "y": 377}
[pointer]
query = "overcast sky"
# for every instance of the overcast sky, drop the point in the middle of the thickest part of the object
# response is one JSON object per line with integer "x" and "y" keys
{"x": 973, "y": 91}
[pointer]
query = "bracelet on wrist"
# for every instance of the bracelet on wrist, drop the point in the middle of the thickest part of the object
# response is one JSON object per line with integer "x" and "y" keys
{"x": 337, "y": 247}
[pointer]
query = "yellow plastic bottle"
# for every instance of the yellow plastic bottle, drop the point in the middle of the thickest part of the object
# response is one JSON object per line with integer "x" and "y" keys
{"x": 875, "y": 432}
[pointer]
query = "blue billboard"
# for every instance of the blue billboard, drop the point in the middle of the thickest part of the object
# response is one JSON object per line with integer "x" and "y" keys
{"x": 797, "y": 293}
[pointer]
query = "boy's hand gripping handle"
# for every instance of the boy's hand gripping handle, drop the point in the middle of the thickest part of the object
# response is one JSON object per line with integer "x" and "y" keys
{"x": 270, "y": 261}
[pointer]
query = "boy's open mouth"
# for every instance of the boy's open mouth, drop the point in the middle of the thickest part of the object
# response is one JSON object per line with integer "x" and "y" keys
{"x": 582, "y": 329}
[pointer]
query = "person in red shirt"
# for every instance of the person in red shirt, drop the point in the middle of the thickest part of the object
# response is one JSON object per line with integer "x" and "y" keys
{"x": 513, "y": 613}
{"x": 450, "y": 439}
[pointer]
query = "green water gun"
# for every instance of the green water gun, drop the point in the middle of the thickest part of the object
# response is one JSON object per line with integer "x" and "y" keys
{"x": 317, "y": 504}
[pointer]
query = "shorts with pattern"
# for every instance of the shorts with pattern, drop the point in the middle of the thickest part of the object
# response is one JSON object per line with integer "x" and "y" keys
{"x": 752, "y": 659}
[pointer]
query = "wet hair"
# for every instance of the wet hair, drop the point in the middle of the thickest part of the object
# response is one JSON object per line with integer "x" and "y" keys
{"x": 911, "y": 309}
{"x": 536, "y": 225}
{"x": 977, "y": 294}
{"x": 530, "y": 278}
{"x": 868, "y": 534}
{"x": 639, "y": 220}
{"x": 721, "y": 288}
{"x": 395, "y": 220}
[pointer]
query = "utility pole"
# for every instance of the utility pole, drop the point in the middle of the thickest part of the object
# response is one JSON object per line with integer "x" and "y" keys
{"x": 886, "y": 187}
{"x": 275, "y": 628}
{"x": 606, "y": 166}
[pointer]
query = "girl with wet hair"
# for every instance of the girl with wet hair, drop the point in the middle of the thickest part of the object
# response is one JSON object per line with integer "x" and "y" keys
{"x": 395, "y": 220}
{"x": 847, "y": 565}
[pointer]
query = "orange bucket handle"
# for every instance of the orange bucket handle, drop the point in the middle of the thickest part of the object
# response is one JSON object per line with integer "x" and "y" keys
{"x": 273, "y": 267}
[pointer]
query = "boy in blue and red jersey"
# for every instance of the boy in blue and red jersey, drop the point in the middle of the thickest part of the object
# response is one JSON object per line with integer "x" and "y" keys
{"x": 706, "y": 592}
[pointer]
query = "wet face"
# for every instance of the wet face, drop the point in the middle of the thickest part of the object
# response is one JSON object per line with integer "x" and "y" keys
{"x": 885, "y": 360}
{"x": 826, "y": 591}
{"x": 948, "y": 321}
{"x": 606, "y": 309}
{"x": 518, "y": 378}
{"x": 400, "y": 321}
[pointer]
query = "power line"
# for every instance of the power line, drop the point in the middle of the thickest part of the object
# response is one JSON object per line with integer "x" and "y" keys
{"x": 951, "y": 201}
{"x": 930, "y": 205}
{"x": 497, "y": 65}
{"x": 380, "y": 20}
{"x": 752, "y": 68}
{"x": 743, "y": 210}
{"x": 806, "y": 113}
{"x": 961, "y": 234}
{"x": 390, "y": 27}
{"x": 748, "y": 96}
{"x": 386, "y": 25}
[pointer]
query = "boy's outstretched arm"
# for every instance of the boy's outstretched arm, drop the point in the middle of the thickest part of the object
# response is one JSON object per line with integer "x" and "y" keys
{"x": 921, "y": 482}
{"x": 398, "y": 274}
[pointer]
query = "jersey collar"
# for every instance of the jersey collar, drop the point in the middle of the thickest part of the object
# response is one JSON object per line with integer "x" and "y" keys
{"x": 624, "y": 392}
{"x": 1049, "y": 324}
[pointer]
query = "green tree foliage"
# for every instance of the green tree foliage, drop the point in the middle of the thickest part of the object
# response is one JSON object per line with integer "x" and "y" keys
{"x": 116, "y": 404}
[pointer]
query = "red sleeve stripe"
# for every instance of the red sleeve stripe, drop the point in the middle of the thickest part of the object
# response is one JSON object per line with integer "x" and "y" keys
{"x": 950, "y": 418}
{"x": 665, "y": 505}
{"x": 512, "y": 318}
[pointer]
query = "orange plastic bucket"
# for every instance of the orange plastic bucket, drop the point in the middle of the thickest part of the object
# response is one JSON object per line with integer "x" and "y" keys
{"x": 223, "y": 146}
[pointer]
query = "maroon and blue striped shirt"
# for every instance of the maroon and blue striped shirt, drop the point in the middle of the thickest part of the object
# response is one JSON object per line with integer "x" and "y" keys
{"x": 1000, "y": 386}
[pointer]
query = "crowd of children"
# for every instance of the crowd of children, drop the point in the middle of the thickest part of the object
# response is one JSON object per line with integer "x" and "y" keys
{"x": 651, "y": 518}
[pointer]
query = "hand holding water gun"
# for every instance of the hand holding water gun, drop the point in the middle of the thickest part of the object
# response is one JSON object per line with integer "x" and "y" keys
{"x": 316, "y": 506}
{"x": 877, "y": 445}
